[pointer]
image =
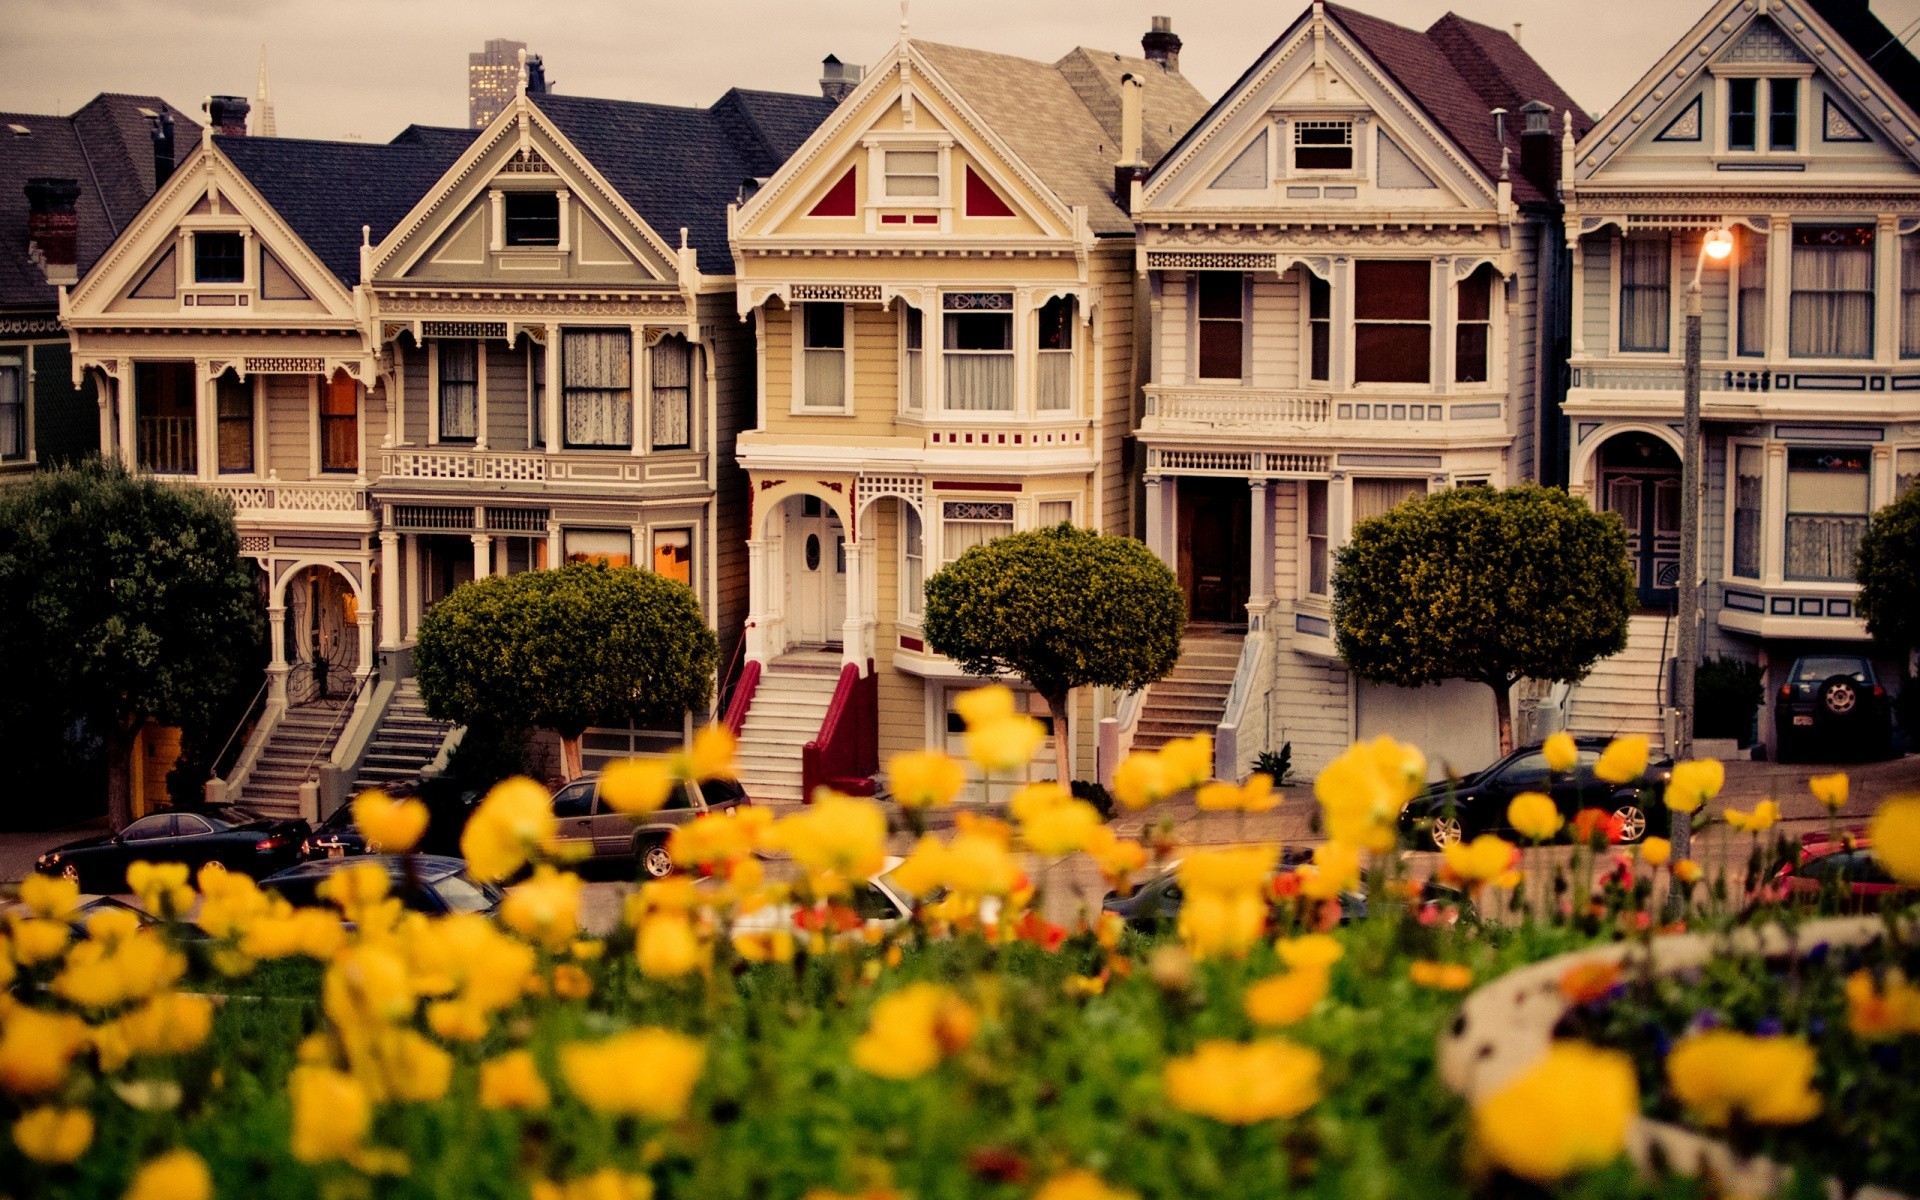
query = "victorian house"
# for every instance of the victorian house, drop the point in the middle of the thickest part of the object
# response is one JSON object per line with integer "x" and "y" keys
{"x": 1354, "y": 270}
{"x": 1795, "y": 125}
{"x": 942, "y": 288}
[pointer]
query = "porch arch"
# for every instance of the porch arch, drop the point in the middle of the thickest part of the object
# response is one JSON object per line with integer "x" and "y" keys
{"x": 1586, "y": 455}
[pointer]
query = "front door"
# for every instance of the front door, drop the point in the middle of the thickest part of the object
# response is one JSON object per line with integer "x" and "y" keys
{"x": 1214, "y": 549}
{"x": 816, "y": 551}
{"x": 1649, "y": 506}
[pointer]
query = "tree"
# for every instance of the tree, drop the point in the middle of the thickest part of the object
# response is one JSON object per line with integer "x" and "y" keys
{"x": 1484, "y": 585}
{"x": 122, "y": 600}
{"x": 1888, "y": 568}
{"x": 586, "y": 644}
{"x": 1062, "y": 608}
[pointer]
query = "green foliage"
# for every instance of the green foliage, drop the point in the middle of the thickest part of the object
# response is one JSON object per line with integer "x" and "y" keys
{"x": 1888, "y": 568}
{"x": 1275, "y": 764}
{"x": 1726, "y": 692}
{"x": 586, "y": 644}
{"x": 1061, "y": 608}
{"x": 121, "y": 599}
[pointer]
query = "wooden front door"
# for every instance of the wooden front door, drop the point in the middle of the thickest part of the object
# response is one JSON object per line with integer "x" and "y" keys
{"x": 1648, "y": 503}
{"x": 816, "y": 554}
{"x": 1214, "y": 549}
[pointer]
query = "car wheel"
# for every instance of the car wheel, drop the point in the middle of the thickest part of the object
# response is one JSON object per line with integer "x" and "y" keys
{"x": 1839, "y": 696}
{"x": 1445, "y": 831}
{"x": 654, "y": 859}
{"x": 1633, "y": 822}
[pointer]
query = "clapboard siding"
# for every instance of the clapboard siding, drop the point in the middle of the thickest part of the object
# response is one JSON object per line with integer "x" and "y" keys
{"x": 1173, "y": 327}
{"x": 1312, "y": 707}
{"x": 727, "y": 353}
{"x": 1276, "y": 329}
{"x": 1119, "y": 389}
{"x": 1523, "y": 327}
{"x": 289, "y": 406}
{"x": 507, "y": 396}
{"x": 416, "y": 410}
{"x": 1596, "y": 300}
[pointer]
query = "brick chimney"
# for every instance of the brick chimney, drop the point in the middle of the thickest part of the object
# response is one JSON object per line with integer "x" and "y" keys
{"x": 838, "y": 79}
{"x": 1162, "y": 45}
{"x": 1539, "y": 152}
{"x": 1132, "y": 164}
{"x": 160, "y": 126}
{"x": 227, "y": 115}
{"x": 53, "y": 227}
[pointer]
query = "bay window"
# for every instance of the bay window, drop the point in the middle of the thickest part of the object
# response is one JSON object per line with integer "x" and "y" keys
{"x": 1318, "y": 566}
{"x": 596, "y": 388}
{"x": 823, "y": 349}
{"x": 1222, "y": 321}
{"x": 459, "y": 368}
{"x": 1830, "y": 312}
{"x": 1749, "y": 478}
{"x": 672, "y": 394}
{"x": 673, "y": 554}
{"x": 1750, "y": 269}
{"x": 913, "y": 563}
{"x": 978, "y": 351}
{"x": 1392, "y": 321}
{"x": 1473, "y": 326}
{"x": 612, "y": 547}
{"x": 339, "y": 425}
{"x": 1053, "y": 366}
{"x": 913, "y": 389}
{"x": 965, "y": 524}
{"x": 1906, "y": 471}
{"x": 1910, "y": 296}
{"x": 1646, "y": 292}
{"x": 1372, "y": 497}
{"x": 1827, "y": 507}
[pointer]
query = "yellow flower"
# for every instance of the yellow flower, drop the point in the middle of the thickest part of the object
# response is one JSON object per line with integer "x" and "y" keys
{"x": 162, "y": 887}
{"x": 1117, "y": 857}
{"x": 772, "y": 946}
{"x": 356, "y": 887}
{"x": 1693, "y": 783}
{"x": 667, "y": 947}
{"x": 170, "y": 1023}
{"x": 545, "y": 908}
{"x": 570, "y": 982}
{"x": 1006, "y": 744}
{"x": 35, "y": 1048}
{"x": 1896, "y": 837}
{"x": 1285, "y": 999}
{"x": 1534, "y": 816}
{"x": 1187, "y": 762}
{"x": 54, "y": 1135}
{"x": 38, "y": 939}
{"x": 331, "y": 1113}
{"x": 1215, "y": 923}
{"x": 636, "y": 786}
{"x": 1483, "y": 860}
{"x": 1362, "y": 792}
{"x": 1441, "y": 976}
{"x": 1081, "y": 1185}
{"x": 608, "y": 1183}
{"x": 1830, "y": 790}
{"x": 1240, "y": 868}
{"x": 1334, "y": 871}
{"x": 515, "y": 818}
{"x": 710, "y": 756}
{"x": 1874, "y": 1013}
{"x": 1655, "y": 851}
{"x": 838, "y": 841}
{"x": 1768, "y": 1080}
{"x": 1687, "y": 871}
{"x": 175, "y": 1175}
{"x": 512, "y": 1081}
{"x": 925, "y": 778}
{"x": 1061, "y": 828}
{"x": 457, "y": 1020}
{"x": 417, "y": 1071}
{"x": 1035, "y": 798}
{"x": 1140, "y": 779}
{"x": 643, "y": 1072}
{"x": 1568, "y": 1112}
{"x": 1244, "y": 1083}
{"x": 1562, "y": 754}
{"x": 50, "y": 896}
{"x": 1624, "y": 760}
{"x": 1254, "y": 796}
{"x": 389, "y": 825}
{"x": 1310, "y": 950}
{"x": 719, "y": 837}
{"x": 984, "y": 705}
{"x": 912, "y": 1029}
{"x": 1763, "y": 817}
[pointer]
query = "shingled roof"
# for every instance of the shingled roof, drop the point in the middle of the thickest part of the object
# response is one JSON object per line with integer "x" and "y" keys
{"x": 681, "y": 167}
{"x": 327, "y": 190}
{"x": 1896, "y": 65}
{"x": 107, "y": 149}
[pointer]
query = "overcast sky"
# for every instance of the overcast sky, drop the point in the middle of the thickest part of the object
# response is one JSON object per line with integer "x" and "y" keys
{"x": 367, "y": 68}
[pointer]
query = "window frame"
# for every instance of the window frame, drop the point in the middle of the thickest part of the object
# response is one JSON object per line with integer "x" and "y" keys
{"x": 912, "y": 324}
{"x": 1200, "y": 321}
{"x": 438, "y": 366}
{"x": 1298, "y": 126}
{"x": 1871, "y": 291}
{"x": 1317, "y": 547}
{"x": 655, "y": 534}
{"x": 1907, "y": 258}
{"x": 1067, "y": 312}
{"x": 323, "y": 419}
{"x": 1770, "y": 82}
{"x": 1430, "y": 323}
{"x": 568, "y": 531}
{"x": 221, "y": 420}
{"x": 239, "y": 258}
{"x": 1740, "y": 273}
{"x": 1845, "y": 575}
{"x": 675, "y": 343}
{"x": 913, "y": 528}
{"x": 567, "y": 391}
{"x": 1621, "y": 288}
{"x": 1734, "y": 448}
{"x": 799, "y": 401}
{"x": 1318, "y": 360}
{"x": 16, "y": 365}
{"x": 938, "y": 175}
{"x": 948, "y": 521}
{"x": 508, "y": 219}
{"x": 949, "y": 351}
{"x": 1489, "y": 354}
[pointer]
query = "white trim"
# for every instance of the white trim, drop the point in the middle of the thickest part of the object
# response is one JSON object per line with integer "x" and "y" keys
{"x": 797, "y": 400}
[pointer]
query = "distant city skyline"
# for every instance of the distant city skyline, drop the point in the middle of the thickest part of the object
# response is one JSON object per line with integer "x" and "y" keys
{"x": 368, "y": 68}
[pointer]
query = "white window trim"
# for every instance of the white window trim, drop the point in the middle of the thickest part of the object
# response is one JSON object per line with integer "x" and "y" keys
{"x": 939, "y": 504}
{"x": 1070, "y": 499}
{"x": 1246, "y": 333}
{"x": 1723, "y": 73}
{"x": 797, "y": 402}
{"x": 187, "y": 274}
{"x": 1077, "y": 328}
{"x": 1728, "y": 485}
{"x": 1676, "y": 302}
{"x": 694, "y": 378}
{"x": 907, "y": 616}
{"x": 1289, "y": 131}
{"x": 926, "y": 358}
{"x": 480, "y": 393}
{"x": 1318, "y": 601}
{"x": 1021, "y": 316}
{"x": 877, "y": 143}
{"x": 1440, "y": 300}
{"x": 497, "y": 221}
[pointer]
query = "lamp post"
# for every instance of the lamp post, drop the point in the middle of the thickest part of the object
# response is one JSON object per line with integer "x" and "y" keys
{"x": 1717, "y": 245}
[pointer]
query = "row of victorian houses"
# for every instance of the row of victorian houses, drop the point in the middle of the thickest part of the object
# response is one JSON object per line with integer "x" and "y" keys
{"x": 799, "y": 352}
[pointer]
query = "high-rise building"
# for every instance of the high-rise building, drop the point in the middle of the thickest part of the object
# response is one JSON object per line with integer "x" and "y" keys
{"x": 493, "y": 74}
{"x": 263, "y": 123}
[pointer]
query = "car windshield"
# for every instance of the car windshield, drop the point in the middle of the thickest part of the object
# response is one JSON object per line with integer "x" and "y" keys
{"x": 1810, "y": 670}
{"x": 463, "y": 895}
{"x": 340, "y": 821}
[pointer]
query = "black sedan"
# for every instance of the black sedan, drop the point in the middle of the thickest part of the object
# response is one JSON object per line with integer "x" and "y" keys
{"x": 1832, "y": 704}
{"x": 424, "y": 883}
{"x": 236, "y": 838}
{"x": 1477, "y": 803}
{"x": 1155, "y": 905}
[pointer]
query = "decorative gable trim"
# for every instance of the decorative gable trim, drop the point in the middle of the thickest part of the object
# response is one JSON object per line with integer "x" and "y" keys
{"x": 1687, "y": 125}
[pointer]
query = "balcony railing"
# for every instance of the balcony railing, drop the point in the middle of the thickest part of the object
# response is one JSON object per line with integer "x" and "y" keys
{"x": 481, "y": 465}
{"x": 166, "y": 445}
{"x": 295, "y": 497}
{"x": 1750, "y": 376}
{"x": 1238, "y": 407}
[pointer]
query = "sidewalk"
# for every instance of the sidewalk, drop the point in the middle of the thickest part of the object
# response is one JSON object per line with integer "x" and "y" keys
{"x": 19, "y": 850}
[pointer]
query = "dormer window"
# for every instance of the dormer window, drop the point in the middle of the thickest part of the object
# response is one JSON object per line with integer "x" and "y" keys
{"x": 912, "y": 174}
{"x": 1323, "y": 145}
{"x": 1766, "y": 109}
{"x": 219, "y": 257}
{"x": 532, "y": 218}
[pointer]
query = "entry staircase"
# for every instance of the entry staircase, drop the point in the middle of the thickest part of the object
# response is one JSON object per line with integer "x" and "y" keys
{"x": 788, "y": 708}
{"x": 405, "y": 743}
{"x": 1627, "y": 692}
{"x": 1194, "y": 697}
{"x": 295, "y": 751}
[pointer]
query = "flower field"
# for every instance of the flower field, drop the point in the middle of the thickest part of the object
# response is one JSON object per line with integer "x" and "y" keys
{"x": 1281, "y": 1039}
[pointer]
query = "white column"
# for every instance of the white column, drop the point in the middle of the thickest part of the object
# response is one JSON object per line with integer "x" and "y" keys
{"x": 366, "y": 666}
{"x": 277, "y": 661}
{"x": 482, "y": 555}
{"x": 758, "y": 647}
{"x": 1340, "y": 331}
{"x": 1578, "y": 306}
{"x": 391, "y": 634}
{"x": 1158, "y": 535}
{"x": 416, "y": 590}
{"x": 851, "y": 629}
{"x": 106, "y": 395}
{"x": 550, "y": 402}
{"x": 123, "y": 393}
{"x": 553, "y": 544}
{"x": 1773, "y": 517}
{"x": 1886, "y": 300}
{"x": 1260, "y": 535}
{"x": 206, "y": 456}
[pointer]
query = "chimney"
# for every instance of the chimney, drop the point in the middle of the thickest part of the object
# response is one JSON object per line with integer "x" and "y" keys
{"x": 536, "y": 76}
{"x": 1130, "y": 166}
{"x": 160, "y": 125}
{"x": 1539, "y": 155}
{"x": 1162, "y": 45}
{"x": 838, "y": 79}
{"x": 227, "y": 115}
{"x": 53, "y": 228}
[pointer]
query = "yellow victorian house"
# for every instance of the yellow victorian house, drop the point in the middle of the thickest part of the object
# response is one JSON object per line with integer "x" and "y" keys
{"x": 941, "y": 282}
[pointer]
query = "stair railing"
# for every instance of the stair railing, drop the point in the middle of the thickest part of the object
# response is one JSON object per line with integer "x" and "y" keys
{"x": 325, "y": 748}
{"x": 742, "y": 698}
{"x": 846, "y": 755}
{"x": 1249, "y": 683}
{"x": 247, "y": 718}
{"x": 731, "y": 679}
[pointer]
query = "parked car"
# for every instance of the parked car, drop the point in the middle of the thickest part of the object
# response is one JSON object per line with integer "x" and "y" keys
{"x": 425, "y": 883}
{"x": 236, "y": 838}
{"x": 1477, "y": 803}
{"x": 335, "y": 837}
{"x": 1832, "y": 703}
{"x": 586, "y": 822}
{"x": 1155, "y": 904}
{"x": 877, "y": 902}
{"x": 1822, "y": 862}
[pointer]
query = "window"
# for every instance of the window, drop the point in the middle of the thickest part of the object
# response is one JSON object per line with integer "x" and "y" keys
{"x": 614, "y": 547}
{"x": 574, "y": 801}
{"x": 978, "y": 351}
{"x": 1742, "y": 113}
{"x": 1749, "y": 468}
{"x": 164, "y": 428}
{"x": 1323, "y": 145}
{"x": 965, "y": 524}
{"x": 596, "y": 387}
{"x": 340, "y": 424}
{"x": 1392, "y": 333}
{"x": 1906, "y": 471}
{"x": 1910, "y": 296}
{"x": 536, "y": 395}
{"x": 1053, "y": 371}
{"x": 913, "y": 173}
{"x": 673, "y": 554}
{"x": 13, "y": 408}
{"x": 233, "y": 409}
{"x": 672, "y": 394}
{"x": 219, "y": 258}
{"x": 459, "y": 366}
{"x": 1646, "y": 292}
{"x": 1222, "y": 318}
{"x": 1826, "y": 511}
{"x": 824, "y": 347}
{"x": 1783, "y": 114}
{"x": 531, "y": 218}
{"x": 913, "y": 333}
{"x": 1751, "y": 269}
{"x": 1317, "y": 537}
{"x": 1371, "y": 497}
{"x": 1319, "y": 328}
{"x": 1830, "y": 313}
{"x": 1049, "y": 513}
{"x": 913, "y": 562}
{"x": 1473, "y": 327}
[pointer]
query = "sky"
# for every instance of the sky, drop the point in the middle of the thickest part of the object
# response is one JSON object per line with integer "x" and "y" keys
{"x": 368, "y": 68}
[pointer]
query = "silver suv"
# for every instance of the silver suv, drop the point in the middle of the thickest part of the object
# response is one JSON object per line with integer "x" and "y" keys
{"x": 586, "y": 821}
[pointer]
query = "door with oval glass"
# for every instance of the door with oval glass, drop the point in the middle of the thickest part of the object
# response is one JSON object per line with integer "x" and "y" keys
{"x": 1640, "y": 480}
{"x": 816, "y": 549}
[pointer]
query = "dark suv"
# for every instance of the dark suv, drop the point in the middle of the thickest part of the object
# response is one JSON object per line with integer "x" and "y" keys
{"x": 1832, "y": 701}
{"x": 585, "y": 821}
{"x": 1477, "y": 803}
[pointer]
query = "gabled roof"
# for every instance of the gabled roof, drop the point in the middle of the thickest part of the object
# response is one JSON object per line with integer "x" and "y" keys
{"x": 1889, "y": 57}
{"x": 326, "y": 191}
{"x": 105, "y": 147}
{"x": 1063, "y": 119}
{"x": 681, "y": 167}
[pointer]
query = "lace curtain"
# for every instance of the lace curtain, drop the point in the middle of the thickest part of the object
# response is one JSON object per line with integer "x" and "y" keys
{"x": 1831, "y": 312}
{"x": 597, "y": 387}
{"x": 1646, "y": 292}
{"x": 1371, "y": 497}
{"x": 672, "y": 394}
{"x": 979, "y": 382}
{"x": 459, "y": 391}
{"x": 1910, "y": 296}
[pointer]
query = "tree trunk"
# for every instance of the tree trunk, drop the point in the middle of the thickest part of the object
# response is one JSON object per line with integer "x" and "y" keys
{"x": 1059, "y": 707}
{"x": 119, "y": 780}
{"x": 571, "y": 766}
{"x": 1503, "y": 706}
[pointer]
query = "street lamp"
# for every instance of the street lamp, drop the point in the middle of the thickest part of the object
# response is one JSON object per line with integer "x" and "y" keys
{"x": 1716, "y": 246}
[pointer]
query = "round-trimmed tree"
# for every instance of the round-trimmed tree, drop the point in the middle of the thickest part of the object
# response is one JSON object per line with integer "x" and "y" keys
{"x": 1888, "y": 568}
{"x": 1493, "y": 586}
{"x": 1061, "y": 608}
{"x": 586, "y": 644}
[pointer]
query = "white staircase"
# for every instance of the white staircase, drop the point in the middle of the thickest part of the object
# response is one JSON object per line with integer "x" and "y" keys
{"x": 1624, "y": 693}
{"x": 788, "y": 706}
{"x": 1193, "y": 698}
{"x": 407, "y": 740}
{"x": 298, "y": 748}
